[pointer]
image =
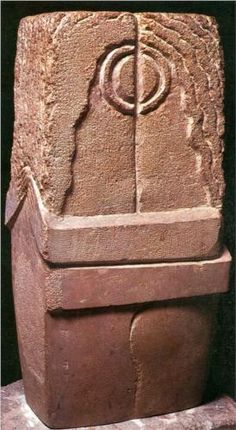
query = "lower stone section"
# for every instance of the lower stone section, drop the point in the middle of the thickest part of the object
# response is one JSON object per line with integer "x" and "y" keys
{"x": 146, "y": 356}
{"x": 220, "y": 414}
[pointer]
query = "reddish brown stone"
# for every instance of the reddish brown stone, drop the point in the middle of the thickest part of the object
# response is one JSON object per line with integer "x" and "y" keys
{"x": 167, "y": 342}
{"x": 138, "y": 283}
{"x": 60, "y": 112}
{"x": 100, "y": 141}
{"x": 116, "y": 160}
{"x": 219, "y": 414}
{"x": 149, "y": 237}
{"x": 72, "y": 355}
{"x": 179, "y": 138}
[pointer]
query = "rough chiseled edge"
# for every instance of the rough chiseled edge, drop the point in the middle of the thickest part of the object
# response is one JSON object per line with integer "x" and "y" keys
{"x": 219, "y": 414}
{"x": 191, "y": 43}
{"x": 200, "y": 32}
{"x": 50, "y": 31}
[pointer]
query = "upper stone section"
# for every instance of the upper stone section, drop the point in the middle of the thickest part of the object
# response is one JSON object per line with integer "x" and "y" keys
{"x": 119, "y": 113}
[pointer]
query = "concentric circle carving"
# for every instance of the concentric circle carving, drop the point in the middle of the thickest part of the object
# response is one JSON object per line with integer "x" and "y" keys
{"x": 110, "y": 79}
{"x": 134, "y": 85}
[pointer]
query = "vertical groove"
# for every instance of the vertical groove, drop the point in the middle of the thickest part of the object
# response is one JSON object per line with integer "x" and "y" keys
{"x": 135, "y": 361}
{"x": 136, "y": 101}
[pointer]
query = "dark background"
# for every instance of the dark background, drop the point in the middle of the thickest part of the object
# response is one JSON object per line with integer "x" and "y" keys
{"x": 221, "y": 378}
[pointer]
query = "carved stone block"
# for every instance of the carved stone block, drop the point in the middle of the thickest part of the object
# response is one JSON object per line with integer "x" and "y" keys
{"x": 115, "y": 211}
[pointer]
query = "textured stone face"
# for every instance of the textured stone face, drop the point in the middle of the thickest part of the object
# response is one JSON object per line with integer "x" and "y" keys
{"x": 114, "y": 207}
{"x": 179, "y": 142}
{"x": 119, "y": 113}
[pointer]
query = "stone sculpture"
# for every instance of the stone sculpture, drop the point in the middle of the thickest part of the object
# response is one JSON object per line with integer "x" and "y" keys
{"x": 115, "y": 212}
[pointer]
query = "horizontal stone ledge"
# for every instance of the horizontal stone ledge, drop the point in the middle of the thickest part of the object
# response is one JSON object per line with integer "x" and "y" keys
{"x": 92, "y": 287}
{"x": 219, "y": 414}
{"x": 183, "y": 234}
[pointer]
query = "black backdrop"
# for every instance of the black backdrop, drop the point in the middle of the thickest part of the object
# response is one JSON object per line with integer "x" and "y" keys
{"x": 221, "y": 378}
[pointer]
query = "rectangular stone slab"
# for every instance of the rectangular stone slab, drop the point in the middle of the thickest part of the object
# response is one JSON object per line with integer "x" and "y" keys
{"x": 187, "y": 234}
{"x": 116, "y": 285}
{"x": 81, "y": 288}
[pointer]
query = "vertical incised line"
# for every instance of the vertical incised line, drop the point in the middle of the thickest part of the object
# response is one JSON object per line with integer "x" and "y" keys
{"x": 136, "y": 102}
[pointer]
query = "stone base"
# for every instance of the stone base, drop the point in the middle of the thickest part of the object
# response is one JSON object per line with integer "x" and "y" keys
{"x": 217, "y": 415}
